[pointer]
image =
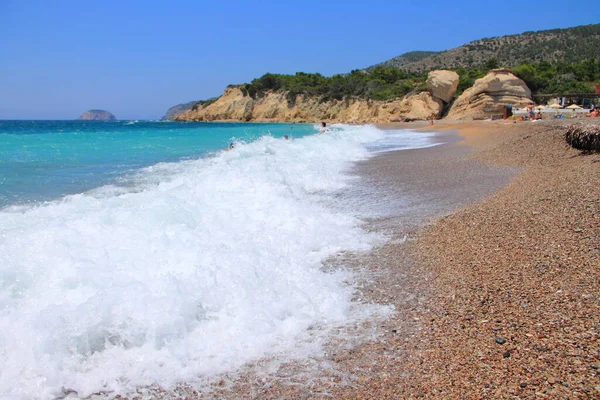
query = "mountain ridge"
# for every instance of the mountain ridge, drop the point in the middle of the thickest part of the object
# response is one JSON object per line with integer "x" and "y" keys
{"x": 573, "y": 44}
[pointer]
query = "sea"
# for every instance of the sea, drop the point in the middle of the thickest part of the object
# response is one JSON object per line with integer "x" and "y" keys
{"x": 149, "y": 254}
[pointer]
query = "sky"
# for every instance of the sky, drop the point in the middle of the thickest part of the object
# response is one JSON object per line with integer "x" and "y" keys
{"x": 138, "y": 58}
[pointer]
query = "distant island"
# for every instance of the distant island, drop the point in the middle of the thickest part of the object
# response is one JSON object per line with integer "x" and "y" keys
{"x": 97, "y": 115}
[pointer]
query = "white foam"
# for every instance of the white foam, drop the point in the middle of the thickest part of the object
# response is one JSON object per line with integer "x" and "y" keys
{"x": 195, "y": 269}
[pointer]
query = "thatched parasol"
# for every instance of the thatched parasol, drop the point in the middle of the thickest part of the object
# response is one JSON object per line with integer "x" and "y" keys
{"x": 584, "y": 136}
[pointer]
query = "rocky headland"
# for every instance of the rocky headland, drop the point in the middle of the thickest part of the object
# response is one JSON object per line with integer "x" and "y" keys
{"x": 97, "y": 115}
{"x": 484, "y": 100}
{"x": 178, "y": 109}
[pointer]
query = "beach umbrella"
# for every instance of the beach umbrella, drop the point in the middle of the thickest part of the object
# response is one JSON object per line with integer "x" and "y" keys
{"x": 573, "y": 107}
{"x": 540, "y": 107}
{"x": 555, "y": 105}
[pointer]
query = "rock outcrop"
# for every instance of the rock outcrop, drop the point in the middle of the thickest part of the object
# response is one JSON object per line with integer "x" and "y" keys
{"x": 420, "y": 106}
{"x": 97, "y": 115}
{"x": 489, "y": 95}
{"x": 233, "y": 105}
{"x": 442, "y": 84}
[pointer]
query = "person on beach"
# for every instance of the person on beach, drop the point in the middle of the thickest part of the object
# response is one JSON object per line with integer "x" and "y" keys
{"x": 530, "y": 111}
{"x": 323, "y": 128}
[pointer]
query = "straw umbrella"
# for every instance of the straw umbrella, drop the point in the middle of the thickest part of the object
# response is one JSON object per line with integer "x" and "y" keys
{"x": 573, "y": 107}
{"x": 555, "y": 106}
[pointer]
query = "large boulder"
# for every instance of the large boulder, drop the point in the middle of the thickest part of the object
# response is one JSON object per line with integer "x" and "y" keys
{"x": 442, "y": 84}
{"x": 97, "y": 115}
{"x": 419, "y": 106}
{"x": 489, "y": 95}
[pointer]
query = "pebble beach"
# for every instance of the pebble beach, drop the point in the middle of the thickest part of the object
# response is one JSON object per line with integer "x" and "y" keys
{"x": 493, "y": 269}
{"x": 512, "y": 281}
{"x": 515, "y": 278}
{"x": 495, "y": 283}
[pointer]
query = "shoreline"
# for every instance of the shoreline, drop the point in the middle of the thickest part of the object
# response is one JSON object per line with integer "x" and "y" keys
{"x": 513, "y": 279}
{"x": 497, "y": 241}
{"x": 462, "y": 279}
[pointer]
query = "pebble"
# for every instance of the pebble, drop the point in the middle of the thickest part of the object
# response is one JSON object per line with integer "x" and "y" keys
{"x": 499, "y": 340}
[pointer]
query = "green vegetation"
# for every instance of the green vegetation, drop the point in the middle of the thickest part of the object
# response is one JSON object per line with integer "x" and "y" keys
{"x": 377, "y": 84}
{"x": 549, "y": 78}
{"x": 406, "y": 58}
{"x": 382, "y": 83}
{"x": 203, "y": 103}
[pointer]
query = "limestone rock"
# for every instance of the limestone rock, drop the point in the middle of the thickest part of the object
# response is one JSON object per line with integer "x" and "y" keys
{"x": 489, "y": 95}
{"x": 233, "y": 105}
{"x": 420, "y": 106}
{"x": 97, "y": 115}
{"x": 443, "y": 84}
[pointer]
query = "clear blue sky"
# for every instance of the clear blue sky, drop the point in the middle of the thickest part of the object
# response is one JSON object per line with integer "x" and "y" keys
{"x": 137, "y": 58}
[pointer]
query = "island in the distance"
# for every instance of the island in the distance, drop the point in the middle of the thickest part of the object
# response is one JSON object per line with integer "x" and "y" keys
{"x": 97, "y": 115}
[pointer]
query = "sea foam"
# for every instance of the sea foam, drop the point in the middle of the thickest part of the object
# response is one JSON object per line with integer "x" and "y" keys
{"x": 192, "y": 269}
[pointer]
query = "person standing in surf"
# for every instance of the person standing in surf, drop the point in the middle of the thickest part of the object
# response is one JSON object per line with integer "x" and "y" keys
{"x": 323, "y": 128}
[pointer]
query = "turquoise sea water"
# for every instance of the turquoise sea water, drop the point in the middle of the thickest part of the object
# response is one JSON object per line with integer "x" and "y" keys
{"x": 138, "y": 254}
{"x": 43, "y": 160}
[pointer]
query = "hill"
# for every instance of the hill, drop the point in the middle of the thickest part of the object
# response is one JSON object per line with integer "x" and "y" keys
{"x": 570, "y": 45}
{"x": 407, "y": 58}
{"x": 178, "y": 109}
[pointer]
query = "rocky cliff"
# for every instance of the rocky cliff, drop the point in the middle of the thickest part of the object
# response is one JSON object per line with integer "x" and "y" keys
{"x": 234, "y": 105}
{"x": 97, "y": 115}
{"x": 485, "y": 99}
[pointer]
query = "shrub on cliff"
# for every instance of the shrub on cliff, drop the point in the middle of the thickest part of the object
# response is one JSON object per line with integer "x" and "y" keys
{"x": 203, "y": 103}
{"x": 378, "y": 84}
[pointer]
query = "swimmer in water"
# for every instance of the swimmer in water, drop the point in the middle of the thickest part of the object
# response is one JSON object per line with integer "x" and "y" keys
{"x": 323, "y": 128}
